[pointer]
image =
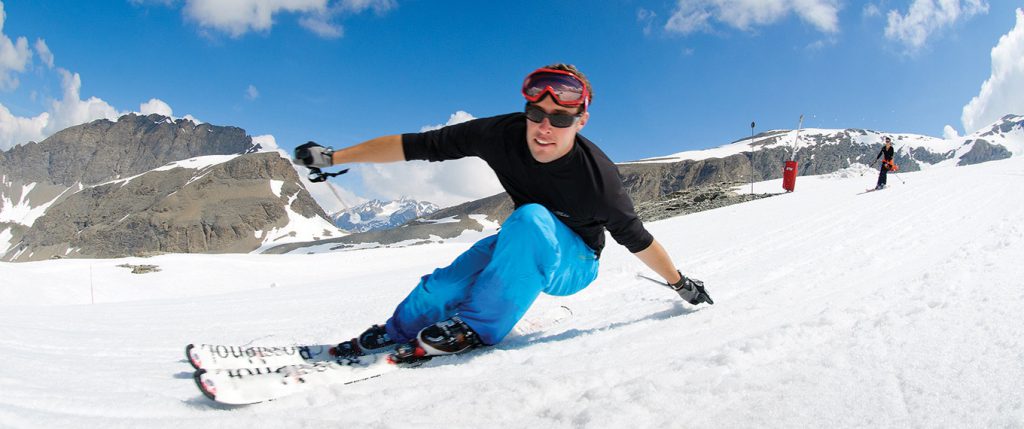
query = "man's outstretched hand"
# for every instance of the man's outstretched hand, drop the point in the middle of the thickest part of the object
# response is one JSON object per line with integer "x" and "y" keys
{"x": 691, "y": 290}
{"x": 313, "y": 155}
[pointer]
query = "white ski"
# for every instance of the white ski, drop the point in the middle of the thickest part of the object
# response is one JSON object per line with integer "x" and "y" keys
{"x": 240, "y": 375}
{"x": 241, "y": 386}
{"x": 212, "y": 356}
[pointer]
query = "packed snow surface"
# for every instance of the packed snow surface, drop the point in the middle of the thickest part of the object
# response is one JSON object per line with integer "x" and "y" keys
{"x": 834, "y": 308}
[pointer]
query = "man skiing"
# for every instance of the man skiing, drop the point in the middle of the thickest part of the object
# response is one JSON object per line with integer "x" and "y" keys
{"x": 566, "y": 193}
{"x": 887, "y": 162}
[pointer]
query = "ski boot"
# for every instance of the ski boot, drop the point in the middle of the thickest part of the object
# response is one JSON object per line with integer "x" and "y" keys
{"x": 442, "y": 338}
{"x": 372, "y": 341}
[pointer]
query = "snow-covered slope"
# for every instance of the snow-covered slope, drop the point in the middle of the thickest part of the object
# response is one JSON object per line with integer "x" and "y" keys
{"x": 898, "y": 308}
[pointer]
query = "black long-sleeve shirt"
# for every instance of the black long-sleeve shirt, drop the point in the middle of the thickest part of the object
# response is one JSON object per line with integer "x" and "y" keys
{"x": 887, "y": 152}
{"x": 582, "y": 188}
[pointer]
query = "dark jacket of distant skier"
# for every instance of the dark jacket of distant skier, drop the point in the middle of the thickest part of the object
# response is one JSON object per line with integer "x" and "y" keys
{"x": 887, "y": 163}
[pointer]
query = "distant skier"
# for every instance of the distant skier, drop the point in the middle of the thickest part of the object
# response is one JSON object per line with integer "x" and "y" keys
{"x": 887, "y": 162}
{"x": 566, "y": 192}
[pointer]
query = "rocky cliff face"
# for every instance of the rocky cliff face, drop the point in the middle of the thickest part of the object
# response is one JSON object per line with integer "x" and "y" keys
{"x": 103, "y": 150}
{"x": 146, "y": 185}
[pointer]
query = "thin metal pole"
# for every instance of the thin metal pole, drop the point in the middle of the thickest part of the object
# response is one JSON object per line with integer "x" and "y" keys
{"x": 896, "y": 151}
{"x": 752, "y": 148}
{"x": 796, "y": 141}
{"x": 652, "y": 280}
{"x": 345, "y": 206}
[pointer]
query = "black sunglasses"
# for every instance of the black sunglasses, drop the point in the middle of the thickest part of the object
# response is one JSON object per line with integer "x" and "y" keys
{"x": 557, "y": 120}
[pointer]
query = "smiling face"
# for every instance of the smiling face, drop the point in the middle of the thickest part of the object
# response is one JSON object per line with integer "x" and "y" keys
{"x": 548, "y": 143}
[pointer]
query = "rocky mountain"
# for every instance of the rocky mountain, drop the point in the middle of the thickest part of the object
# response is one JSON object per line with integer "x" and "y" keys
{"x": 377, "y": 215}
{"x": 148, "y": 184}
{"x": 692, "y": 181}
{"x": 816, "y": 151}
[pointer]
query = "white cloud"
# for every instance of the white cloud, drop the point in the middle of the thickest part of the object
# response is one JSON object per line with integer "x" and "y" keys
{"x": 819, "y": 45}
{"x": 160, "y": 2}
{"x": 15, "y": 130}
{"x": 238, "y": 17}
{"x": 269, "y": 144}
{"x": 44, "y": 53}
{"x": 251, "y": 93}
{"x": 927, "y": 17}
{"x": 444, "y": 183}
{"x": 322, "y": 27}
{"x": 1003, "y": 92}
{"x": 871, "y": 10}
{"x": 359, "y": 6}
{"x": 68, "y": 111}
{"x": 72, "y": 110}
{"x": 330, "y": 196}
{"x": 697, "y": 15}
{"x": 646, "y": 18}
{"x": 14, "y": 56}
{"x": 157, "y": 106}
{"x": 949, "y": 133}
{"x": 456, "y": 118}
{"x": 689, "y": 17}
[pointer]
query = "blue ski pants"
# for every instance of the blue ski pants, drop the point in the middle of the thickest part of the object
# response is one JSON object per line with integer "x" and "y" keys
{"x": 491, "y": 285}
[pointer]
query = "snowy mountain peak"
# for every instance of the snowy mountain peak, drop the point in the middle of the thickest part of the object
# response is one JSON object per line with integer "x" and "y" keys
{"x": 1007, "y": 125}
{"x": 999, "y": 140}
{"x": 378, "y": 215}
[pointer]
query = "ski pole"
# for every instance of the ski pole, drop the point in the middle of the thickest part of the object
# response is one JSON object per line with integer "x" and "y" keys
{"x": 700, "y": 289}
{"x": 641, "y": 276}
{"x": 870, "y": 166}
{"x": 894, "y": 160}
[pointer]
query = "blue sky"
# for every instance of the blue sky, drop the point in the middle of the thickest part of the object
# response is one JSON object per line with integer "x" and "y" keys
{"x": 668, "y": 76}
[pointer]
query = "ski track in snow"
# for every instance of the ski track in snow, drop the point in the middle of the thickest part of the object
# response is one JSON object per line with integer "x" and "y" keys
{"x": 888, "y": 309}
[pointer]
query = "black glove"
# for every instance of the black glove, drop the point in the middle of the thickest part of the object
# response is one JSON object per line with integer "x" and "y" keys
{"x": 691, "y": 290}
{"x": 313, "y": 155}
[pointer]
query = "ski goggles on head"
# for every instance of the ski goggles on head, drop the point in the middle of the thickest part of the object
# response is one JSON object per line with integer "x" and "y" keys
{"x": 565, "y": 88}
{"x": 557, "y": 120}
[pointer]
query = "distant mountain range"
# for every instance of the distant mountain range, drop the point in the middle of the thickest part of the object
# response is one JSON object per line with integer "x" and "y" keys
{"x": 148, "y": 184}
{"x": 377, "y": 215}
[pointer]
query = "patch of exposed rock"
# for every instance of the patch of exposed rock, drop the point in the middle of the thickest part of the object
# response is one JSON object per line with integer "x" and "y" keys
{"x": 141, "y": 269}
{"x": 693, "y": 200}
